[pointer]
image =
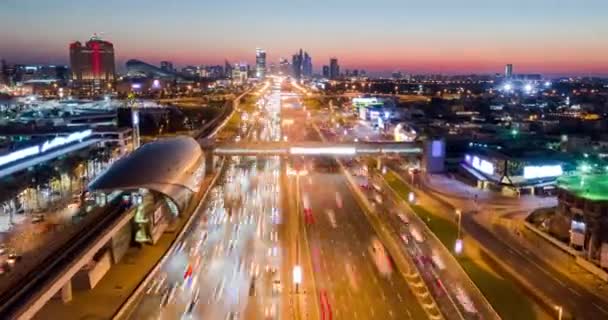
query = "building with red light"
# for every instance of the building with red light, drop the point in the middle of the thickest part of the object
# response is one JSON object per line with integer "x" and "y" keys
{"x": 92, "y": 65}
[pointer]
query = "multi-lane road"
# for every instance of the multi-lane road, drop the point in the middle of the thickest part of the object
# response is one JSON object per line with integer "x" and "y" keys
{"x": 354, "y": 276}
{"x": 226, "y": 266}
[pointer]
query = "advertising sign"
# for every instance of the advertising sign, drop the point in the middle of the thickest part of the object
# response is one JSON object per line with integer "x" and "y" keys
{"x": 536, "y": 172}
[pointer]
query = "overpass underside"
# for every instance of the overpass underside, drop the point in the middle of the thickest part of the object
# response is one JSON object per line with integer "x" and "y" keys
{"x": 316, "y": 149}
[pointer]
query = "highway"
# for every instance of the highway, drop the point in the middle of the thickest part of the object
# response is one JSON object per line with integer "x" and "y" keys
{"x": 354, "y": 277}
{"x": 226, "y": 266}
{"x": 353, "y": 281}
{"x": 534, "y": 274}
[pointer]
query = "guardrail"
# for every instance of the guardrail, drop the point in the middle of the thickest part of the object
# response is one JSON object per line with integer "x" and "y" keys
{"x": 445, "y": 251}
{"x": 19, "y": 293}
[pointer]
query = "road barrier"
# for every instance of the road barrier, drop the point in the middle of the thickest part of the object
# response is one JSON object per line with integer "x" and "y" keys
{"x": 446, "y": 252}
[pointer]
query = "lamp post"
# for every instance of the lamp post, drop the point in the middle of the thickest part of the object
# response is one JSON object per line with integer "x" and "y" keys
{"x": 297, "y": 277}
{"x": 458, "y": 244}
{"x": 560, "y": 311}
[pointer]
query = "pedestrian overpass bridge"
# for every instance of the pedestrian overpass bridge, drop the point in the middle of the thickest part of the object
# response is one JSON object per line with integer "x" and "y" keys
{"x": 284, "y": 148}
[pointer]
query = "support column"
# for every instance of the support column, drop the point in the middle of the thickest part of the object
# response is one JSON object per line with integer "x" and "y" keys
{"x": 66, "y": 292}
{"x": 209, "y": 161}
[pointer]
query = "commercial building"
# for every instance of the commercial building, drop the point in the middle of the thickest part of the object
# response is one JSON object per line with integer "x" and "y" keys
{"x": 92, "y": 65}
{"x": 301, "y": 63}
{"x": 260, "y": 63}
{"x": 514, "y": 170}
{"x": 140, "y": 69}
{"x": 583, "y": 207}
{"x": 508, "y": 71}
{"x": 240, "y": 73}
{"x": 334, "y": 69}
{"x": 326, "y": 71}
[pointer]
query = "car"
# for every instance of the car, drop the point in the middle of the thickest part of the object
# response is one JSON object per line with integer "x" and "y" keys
{"x": 192, "y": 303}
{"x": 13, "y": 258}
{"x": 404, "y": 218}
{"x": 74, "y": 205}
{"x": 378, "y": 198}
{"x": 276, "y": 286}
{"x": 37, "y": 218}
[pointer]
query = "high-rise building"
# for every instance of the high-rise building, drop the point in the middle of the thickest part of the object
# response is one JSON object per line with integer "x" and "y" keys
{"x": 166, "y": 66}
{"x": 260, "y": 63}
{"x": 508, "y": 71}
{"x": 326, "y": 71}
{"x": 240, "y": 73}
{"x": 307, "y": 65}
{"x": 227, "y": 69}
{"x": 296, "y": 64}
{"x": 334, "y": 68}
{"x": 301, "y": 63}
{"x": 284, "y": 66}
{"x": 92, "y": 65}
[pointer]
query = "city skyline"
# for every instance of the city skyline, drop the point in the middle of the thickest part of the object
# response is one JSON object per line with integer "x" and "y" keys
{"x": 439, "y": 37}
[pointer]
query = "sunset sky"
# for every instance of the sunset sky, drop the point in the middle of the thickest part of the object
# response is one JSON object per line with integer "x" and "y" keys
{"x": 426, "y": 36}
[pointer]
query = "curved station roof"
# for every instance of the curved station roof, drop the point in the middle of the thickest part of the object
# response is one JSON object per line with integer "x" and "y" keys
{"x": 170, "y": 167}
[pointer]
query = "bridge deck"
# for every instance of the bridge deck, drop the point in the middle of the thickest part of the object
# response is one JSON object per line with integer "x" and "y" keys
{"x": 316, "y": 148}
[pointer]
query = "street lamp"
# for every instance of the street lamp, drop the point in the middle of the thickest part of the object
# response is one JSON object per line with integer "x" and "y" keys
{"x": 458, "y": 245}
{"x": 297, "y": 277}
{"x": 560, "y": 311}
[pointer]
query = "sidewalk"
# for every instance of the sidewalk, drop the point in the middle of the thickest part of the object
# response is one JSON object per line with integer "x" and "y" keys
{"x": 104, "y": 301}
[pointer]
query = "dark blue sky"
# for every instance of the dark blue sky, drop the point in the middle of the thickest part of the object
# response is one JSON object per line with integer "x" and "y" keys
{"x": 548, "y": 36}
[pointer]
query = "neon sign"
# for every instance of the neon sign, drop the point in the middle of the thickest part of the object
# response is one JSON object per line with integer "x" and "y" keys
{"x": 482, "y": 165}
{"x": 20, "y": 154}
{"x": 60, "y": 141}
{"x": 47, "y": 145}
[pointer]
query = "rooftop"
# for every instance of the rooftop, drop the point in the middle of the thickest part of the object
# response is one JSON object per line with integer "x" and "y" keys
{"x": 591, "y": 187}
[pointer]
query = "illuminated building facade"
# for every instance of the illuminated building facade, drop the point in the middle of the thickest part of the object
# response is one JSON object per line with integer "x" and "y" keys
{"x": 92, "y": 65}
{"x": 260, "y": 63}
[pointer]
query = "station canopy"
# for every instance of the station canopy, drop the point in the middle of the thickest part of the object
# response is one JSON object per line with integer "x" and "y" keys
{"x": 171, "y": 167}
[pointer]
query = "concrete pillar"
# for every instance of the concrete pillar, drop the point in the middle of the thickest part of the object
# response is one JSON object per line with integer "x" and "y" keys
{"x": 209, "y": 162}
{"x": 66, "y": 292}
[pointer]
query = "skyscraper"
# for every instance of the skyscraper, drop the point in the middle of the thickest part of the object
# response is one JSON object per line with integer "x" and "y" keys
{"x": 508, "y": 71}
{"x": 260, "y": 63}
{"x": 307, "y": 65}
{"x": 284, "y": 66}
{"x": 334, "y": 68}
{"x": 326, "y": 71}
{"x": 296, "y": 64}
{"x": 227, "y": 69}
{"x": 92, "y": 65}
{"x": 301, "y": 63}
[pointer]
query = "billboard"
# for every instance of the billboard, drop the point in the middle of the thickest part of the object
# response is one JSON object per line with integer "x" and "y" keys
{"x": 546, "y": 171}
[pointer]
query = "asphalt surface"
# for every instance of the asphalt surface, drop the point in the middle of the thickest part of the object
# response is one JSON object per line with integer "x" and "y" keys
{"x": 226, "y": 266}
{"x": 538, "y": 277}
{"x": 352, "y": 281}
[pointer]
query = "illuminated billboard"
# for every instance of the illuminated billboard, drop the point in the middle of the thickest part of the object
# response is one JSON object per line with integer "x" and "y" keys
{"x": 366, "y": 102}
{"x": 536, "y": 172}
{"x": 482, "y": 165}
